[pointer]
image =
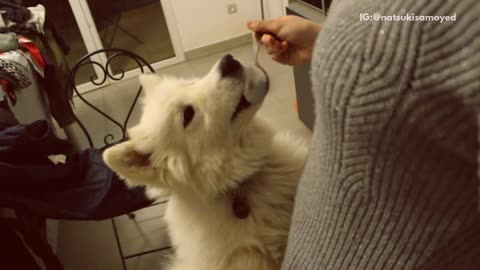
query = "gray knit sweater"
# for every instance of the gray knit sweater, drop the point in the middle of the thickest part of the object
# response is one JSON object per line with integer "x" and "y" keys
{"x": 391, "y": 177}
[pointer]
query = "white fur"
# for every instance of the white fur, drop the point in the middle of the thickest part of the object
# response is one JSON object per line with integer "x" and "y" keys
{"x": 201, "y": 164}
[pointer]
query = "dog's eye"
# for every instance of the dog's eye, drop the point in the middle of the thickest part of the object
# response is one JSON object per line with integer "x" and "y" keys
{"x": 188, "y": 114}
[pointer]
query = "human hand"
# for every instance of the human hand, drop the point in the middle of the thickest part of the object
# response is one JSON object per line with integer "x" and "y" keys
{"x": 288, "y": 39}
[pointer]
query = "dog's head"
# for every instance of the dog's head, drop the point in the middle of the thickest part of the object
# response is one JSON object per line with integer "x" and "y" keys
{"x": 195, "y": 130}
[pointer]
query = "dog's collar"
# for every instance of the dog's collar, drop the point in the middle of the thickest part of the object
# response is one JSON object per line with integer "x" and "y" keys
{"x": 240, "y": 205}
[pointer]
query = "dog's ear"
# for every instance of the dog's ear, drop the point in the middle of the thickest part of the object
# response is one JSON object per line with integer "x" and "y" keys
{"x": 148, "y": 80}
{"x": 131, "y": 164}
{"x": 140, "y": 169}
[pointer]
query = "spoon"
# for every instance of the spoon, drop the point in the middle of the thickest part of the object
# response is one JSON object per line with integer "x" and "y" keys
{"x": 261, "y": 87}
{"x": 256, "y": 46}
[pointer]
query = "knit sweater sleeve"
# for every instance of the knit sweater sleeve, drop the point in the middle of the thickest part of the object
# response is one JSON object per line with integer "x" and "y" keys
{"x": 391, "y": 179}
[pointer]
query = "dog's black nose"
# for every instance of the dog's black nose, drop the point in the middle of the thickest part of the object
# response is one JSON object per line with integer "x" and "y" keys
{"x": 229, "y": 66}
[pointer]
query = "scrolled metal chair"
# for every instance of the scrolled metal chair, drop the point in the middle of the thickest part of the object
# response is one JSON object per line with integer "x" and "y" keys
{"x": 109, "y": 139}
{"x": 107, "y": 73}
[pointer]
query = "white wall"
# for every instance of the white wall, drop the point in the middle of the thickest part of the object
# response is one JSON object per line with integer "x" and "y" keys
{"x": 205, "y": 22}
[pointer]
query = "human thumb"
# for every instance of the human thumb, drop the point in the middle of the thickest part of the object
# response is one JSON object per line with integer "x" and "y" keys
{"x": 252, "y": 25}
{"x": 270, "y": 26}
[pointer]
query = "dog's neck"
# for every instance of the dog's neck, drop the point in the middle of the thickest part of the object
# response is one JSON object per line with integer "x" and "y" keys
{"x": 239, "y": 196}
{"x": 255, "y": 144}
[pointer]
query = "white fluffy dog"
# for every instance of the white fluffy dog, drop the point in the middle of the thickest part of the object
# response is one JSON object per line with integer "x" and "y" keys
{"x": 231, "y": 179}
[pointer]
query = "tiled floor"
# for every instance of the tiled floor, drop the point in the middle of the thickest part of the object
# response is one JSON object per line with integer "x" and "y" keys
{"x": 92, "y": 245}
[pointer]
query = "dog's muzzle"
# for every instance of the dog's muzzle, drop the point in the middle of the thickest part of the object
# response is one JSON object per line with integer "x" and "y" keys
{"x": 255, "y": 77}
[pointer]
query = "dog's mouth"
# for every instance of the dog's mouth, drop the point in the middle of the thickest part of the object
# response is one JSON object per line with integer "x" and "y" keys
{"x": 242, "y": 105}
{"x": 256, "y": 88}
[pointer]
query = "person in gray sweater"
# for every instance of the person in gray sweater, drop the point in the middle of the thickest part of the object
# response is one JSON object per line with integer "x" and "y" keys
{"x": 391, "y": 180}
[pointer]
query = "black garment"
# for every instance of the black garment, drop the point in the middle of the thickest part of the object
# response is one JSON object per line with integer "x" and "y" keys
{"x": 33, "y": 230}
{"x": 83, "y": 188}
{"x": 24, "y": 163}
{"x": 14, "y": 254}
{"x": 30, "y": 144}
{"x": 95, "y": 194}
{"x": 7, "y": 119}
